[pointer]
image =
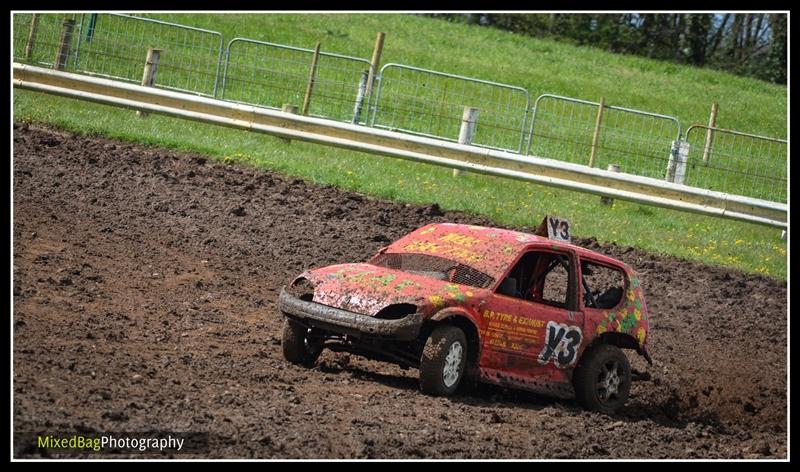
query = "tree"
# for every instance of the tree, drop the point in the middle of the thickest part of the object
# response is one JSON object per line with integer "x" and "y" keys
{"x": 752, "y": 44}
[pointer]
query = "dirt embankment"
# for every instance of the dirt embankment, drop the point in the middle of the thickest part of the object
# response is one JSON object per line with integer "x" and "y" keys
{"x": 145, "y": 283}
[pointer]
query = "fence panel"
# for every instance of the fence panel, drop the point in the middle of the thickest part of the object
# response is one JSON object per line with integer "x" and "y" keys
{"x": 738, "y": 163}
{"x": 430, "y": 103}
{"x": 270, "y": 75}
{"x": 638, "y": 142}
{"x": 115, "y": 46}
{"x": 39, "y": 45}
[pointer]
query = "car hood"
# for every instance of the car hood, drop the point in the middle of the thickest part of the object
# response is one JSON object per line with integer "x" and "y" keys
{"x": 366, "y": 289}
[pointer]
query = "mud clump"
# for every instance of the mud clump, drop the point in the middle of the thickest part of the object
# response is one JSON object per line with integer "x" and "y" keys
{"x": 197, "y": 347}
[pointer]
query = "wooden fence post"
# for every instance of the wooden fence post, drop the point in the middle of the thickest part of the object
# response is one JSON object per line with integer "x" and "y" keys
{"x": 712, "y": 122}
{"x": 312, "y": 74}
{"x": 149, "y": 75}
{"x": 374, "y": 63}
{"x": 288, "y": 108}
{"x": 64, "y": 44}
{"x": 469, "y": 122}
{"x": 596, "y": 137}
{"x": 31, "y": 37}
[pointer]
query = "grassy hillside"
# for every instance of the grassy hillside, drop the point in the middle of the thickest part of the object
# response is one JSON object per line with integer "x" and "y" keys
{"x": 538, "y": 65}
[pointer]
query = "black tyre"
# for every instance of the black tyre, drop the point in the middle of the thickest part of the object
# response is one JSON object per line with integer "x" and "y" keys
{"x": 602, "y": 379}
{"x": 297, "y": 348}
{"x": 443, "y": 361}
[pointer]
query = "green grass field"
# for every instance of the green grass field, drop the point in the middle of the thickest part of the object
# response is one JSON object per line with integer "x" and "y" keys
{"x": 538, "y": 65}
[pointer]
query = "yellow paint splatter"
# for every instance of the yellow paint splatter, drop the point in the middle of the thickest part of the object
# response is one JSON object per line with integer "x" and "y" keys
{"x": 436, "y": 301}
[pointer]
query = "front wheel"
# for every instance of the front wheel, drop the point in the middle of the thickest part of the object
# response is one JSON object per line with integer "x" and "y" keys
{"x": 602, "y": 380}
{"x": 297, "y": 347}
{"x": 443, "y": 361}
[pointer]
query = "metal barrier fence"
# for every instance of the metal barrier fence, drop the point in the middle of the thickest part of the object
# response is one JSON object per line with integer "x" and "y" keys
{"x": 271, "y": 75}
{"x": 738, "y": 163}
{"x": 585, "y": 132}
{"x": 430, "y": 103}
{"x": 115, "y": 46}
{"x": 407, "y": 99}
{"x": 37, "y": 37}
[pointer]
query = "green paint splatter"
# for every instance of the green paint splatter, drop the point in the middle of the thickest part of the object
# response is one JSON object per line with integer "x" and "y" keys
{"x": 385, "y": 280}
{"x": 359, "y": 277}
{"x": 405, "y": 283}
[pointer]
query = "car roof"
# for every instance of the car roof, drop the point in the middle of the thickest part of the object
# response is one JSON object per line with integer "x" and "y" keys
{"x": 489, "y": 250}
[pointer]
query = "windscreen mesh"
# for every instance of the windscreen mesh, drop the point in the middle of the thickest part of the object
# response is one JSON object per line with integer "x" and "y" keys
{"x": 434, "y": 267}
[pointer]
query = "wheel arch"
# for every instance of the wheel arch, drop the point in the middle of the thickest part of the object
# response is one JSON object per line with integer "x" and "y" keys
{"x": 622, "y": 341}
{"x": 461, "y": 319}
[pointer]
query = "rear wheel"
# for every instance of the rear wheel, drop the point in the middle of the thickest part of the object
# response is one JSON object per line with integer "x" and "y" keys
{"x": 298, "y": 348}
{"x": 443, "y": 361}
{"x": 602, "y": 380}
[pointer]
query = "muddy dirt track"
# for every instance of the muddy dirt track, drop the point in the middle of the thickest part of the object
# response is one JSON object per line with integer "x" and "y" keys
{"x": 145, "y": 283}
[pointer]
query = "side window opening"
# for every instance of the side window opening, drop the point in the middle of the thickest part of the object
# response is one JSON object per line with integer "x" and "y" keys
{"x": 541, "y": 277}
{"x": 519, "y": 279}
{"x": 603, "y": 287}
{"x": 555, "y": 286}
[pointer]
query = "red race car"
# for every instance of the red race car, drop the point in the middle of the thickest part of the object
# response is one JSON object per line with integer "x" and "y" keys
{"x": 468, "y": 303}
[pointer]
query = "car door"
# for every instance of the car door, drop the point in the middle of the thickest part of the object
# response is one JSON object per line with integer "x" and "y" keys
{"x": 535, "y": 328}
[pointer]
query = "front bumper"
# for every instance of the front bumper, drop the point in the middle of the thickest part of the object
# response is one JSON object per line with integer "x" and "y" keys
{"x": 347, "y": 322}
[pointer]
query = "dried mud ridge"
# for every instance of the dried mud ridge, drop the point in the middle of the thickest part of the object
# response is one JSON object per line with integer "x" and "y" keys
{"x": 145, "y": 283}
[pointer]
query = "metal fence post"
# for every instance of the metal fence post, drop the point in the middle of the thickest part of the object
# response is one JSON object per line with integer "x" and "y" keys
{"x": 150, "y": 69}
{"x": 673, "y": 159}
{"x": 312, "y": 74}
{"x": 64, "y": 44}
{"x": 32, "y": 36}
{"x": 596, "y": 136}
{"x": 676, "y": 167}
{"x": 680, "y": 165}
{"x": 608, "y": 200}
{"x": 712, "y": 122}
{"x": 362, "y": 88}
{"x": 469, "y": 122}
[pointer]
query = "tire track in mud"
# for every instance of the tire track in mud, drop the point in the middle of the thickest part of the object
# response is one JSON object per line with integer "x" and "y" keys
{"x": 145, "y": 283}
